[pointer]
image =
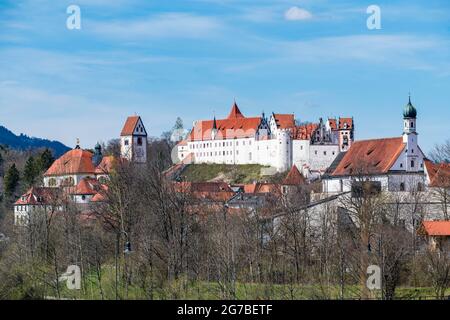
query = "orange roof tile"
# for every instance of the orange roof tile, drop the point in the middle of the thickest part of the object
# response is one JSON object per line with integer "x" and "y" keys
{"x": 345, "y": 123}
{"x": 294, "y": 177}
{"x": 284, "y": 121}
{"x": 87, "y": 187}
{"x": 235, "y": 112}
{"x": 106, "y": 165}
{"x": 39, "y": 196}
{"x": 370, "y": 156}
{"x": 304, "y": 132}
{"x": 438, "y": 173}
{"x": 332, "y": 124}
{"x": 75, "y": 161}
{"x": 235, "y": 126}
{"x": 130, "y": 125}
{"x": 436, "y": 228}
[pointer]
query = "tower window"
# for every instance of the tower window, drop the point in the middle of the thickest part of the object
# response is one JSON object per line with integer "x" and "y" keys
{"x": 412, "y": 163}
{"x": 126, "y": 142}
{"x": 412, "y": 124}
{"x": 139, "y": 141}
{"x": 402, "y": 186}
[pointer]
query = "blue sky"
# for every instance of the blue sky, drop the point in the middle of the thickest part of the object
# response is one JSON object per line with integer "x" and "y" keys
{"x": 192, "y": 58}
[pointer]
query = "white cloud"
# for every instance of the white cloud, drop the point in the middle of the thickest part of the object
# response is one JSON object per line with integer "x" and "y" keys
{"x": 168, "y": 25}
{"x": 296, "y": 13}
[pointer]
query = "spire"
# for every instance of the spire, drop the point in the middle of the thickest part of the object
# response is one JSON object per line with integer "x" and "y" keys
{"x": 214, "y": 123}
{"x": 235, "y": 112}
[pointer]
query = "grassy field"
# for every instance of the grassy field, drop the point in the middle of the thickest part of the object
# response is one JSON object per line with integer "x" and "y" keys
{"x": 229, "y": 173}
{"x": 189, "y": 290}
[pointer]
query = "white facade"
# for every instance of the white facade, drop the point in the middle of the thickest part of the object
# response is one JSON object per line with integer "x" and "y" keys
{"x": 133, "y": 143}
{"x": 269, "y": 144}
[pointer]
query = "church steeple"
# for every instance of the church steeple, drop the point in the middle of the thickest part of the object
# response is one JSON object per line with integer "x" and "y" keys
{"x": 409, "y": 118}
{"x": 214, "y": 129}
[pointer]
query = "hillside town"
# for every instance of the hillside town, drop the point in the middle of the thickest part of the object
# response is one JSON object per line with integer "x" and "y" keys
{"x": 345, "y": 187}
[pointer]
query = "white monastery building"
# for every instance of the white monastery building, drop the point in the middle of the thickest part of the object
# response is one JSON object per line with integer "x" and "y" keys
{"x": 277, "y": 141}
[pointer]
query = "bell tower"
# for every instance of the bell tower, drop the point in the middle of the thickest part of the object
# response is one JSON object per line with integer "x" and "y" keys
{"x": 410, "y": 137}
{"x": 133, "y": 140}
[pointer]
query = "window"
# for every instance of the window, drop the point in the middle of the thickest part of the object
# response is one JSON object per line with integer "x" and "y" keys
{"x": 402, "y": 186}
{"x": 412, "y": 124}
{"x": 412, "y": 163}
{"x": 419, "y": 186}
{"x": 412, "y": 150}
{"x": 139, "y": 141}
{"x": 324, "y": 153}
{"x": 83, "y": 197}
{"x": 126, "y": 142}
{"x": 401, "y": 165}
{"x": 315, "y": 152}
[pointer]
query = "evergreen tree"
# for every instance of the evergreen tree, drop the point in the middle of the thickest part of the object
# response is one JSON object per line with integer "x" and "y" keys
{"x": 31, "y": 171}
{"x": 11, "y": 180}
{"x": 44, "y": 161}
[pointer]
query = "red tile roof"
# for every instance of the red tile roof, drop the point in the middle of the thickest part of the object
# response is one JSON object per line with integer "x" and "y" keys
{"x": 284, "y": 121}
{"x": 436, "y": 228}
{"x": 294, "y": 177}
{"x": 218, "y": 191}
{"x": 438, "y": 173}
{"x": 304, "y": 132}
{"x": 87, "y": 186}
{"x": 345, "y": 121}
{"x": 235, "y": 126}
{"x": 39, "y": 196}
{"x": 235, "y": 112}
{"x": 130, "y": 125}
{"x": 332, "y": 123}
{"x": 72, "y": 162}
{"x": 106, "y": 165}
{"x": 370, "y": 156}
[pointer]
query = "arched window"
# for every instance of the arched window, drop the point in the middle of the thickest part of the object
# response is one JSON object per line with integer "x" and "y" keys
{"x": 139, "y": 141}
{"x": 402, "y": 186}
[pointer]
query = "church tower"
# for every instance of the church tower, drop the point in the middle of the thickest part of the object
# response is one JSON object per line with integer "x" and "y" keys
{"x": 410, "y": 137}
{"x": 133, "y": 140}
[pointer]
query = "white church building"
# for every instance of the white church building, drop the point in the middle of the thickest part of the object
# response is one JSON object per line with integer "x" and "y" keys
{"x": 396, "y": 164}
{"x": 277, "y": 141}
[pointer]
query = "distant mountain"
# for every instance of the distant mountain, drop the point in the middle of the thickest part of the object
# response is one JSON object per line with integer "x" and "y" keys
{"x": 25, "y": 142}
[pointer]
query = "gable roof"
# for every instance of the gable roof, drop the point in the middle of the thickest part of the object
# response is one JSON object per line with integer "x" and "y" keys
{"x": 106, "y": 165}
{"x": 39, "y": 196}
{"x": 235, "y": 112}
{"x": 72, "y": 162}
{"x": 87, "y": 187}
{"x": 235, "y": 126}
{"x": 294, "y": 177}
{"x": 332, "y": 123}
{"x": 284, "y": 121}
{"x": 372, "y": 156}
{"x": 345, "y": 123}
{"x": 438, "y": 173}
{"x": 436, "y": 228}
{"x": 130, "y": 125}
